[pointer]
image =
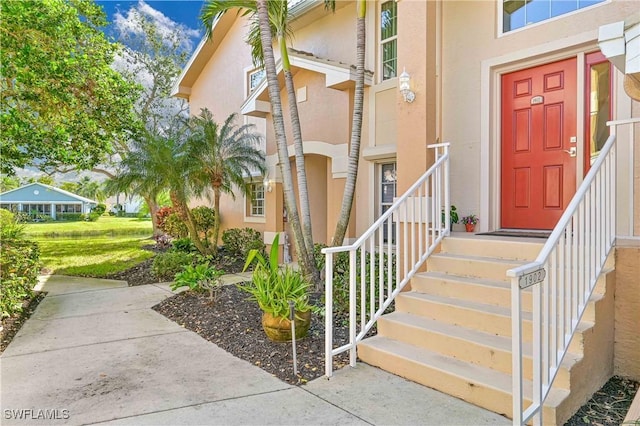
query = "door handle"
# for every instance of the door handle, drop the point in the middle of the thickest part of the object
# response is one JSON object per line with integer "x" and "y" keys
{"x": 571, "y": 151}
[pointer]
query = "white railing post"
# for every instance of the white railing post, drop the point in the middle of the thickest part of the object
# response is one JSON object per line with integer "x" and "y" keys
{"x": 352, "y": 307}
{"x": 328, "y": 318}
{"x": 516, "y": 350}
{"x": 447, "y": 200}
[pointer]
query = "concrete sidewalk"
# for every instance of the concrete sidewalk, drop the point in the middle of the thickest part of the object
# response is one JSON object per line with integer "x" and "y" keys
{"x": 94, "y": 352}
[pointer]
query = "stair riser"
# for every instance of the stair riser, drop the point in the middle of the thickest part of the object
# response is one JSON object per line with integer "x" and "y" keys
{"x": 515, "y": 250}
{"x": 468, "y": 291}
{"x": 477, "y": 320}
{"x": 461, "y": 349}
{"x": 469, "y": 267}
{"x": 481, "y": 395}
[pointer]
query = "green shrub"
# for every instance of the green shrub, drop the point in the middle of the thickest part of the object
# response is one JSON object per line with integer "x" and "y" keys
{"x": 10, "y": 228}
{"x": 161, "y": 216}
{"x": 92, "y": 217}
{"x": 240, "y": 241}
{"x": 199, "y": 278}
{"x": 19, "y": 269}
{"x": 184, "y": 244}
{"x": 166, "y": 265}
{"x": 203, "y": 218}
{"x": 99, "y": 209}
{"x": 22, "y": 217}
{"x": 341, "y": 276}
{"x": 70, "y": 216}
{"x": 175, "y": 227}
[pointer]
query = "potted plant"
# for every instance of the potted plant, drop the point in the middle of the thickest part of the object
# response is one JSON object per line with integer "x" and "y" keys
{"x": 470, "y": 222}
{"x": 274, "y": 289}
{"x": 453, "y": 216}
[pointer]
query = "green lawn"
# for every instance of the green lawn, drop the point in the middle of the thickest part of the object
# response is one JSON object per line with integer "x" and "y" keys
{"x": 105, "y": 226}
{"x": 93, "y": 249}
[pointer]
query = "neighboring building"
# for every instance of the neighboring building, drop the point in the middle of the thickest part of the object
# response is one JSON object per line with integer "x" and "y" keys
{"x": 40, "y": 199}
{"x": 520, "y": 89}
{"x": 129, "y": 204}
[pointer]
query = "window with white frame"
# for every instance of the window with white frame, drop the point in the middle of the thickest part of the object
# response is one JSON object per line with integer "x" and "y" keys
{"x": 255, "y": 77}
{"x": 388, "y": 184}
{"x": 255, "y": 205}
{"x": 520, "y": 13}
{"x": 388, "y": 40}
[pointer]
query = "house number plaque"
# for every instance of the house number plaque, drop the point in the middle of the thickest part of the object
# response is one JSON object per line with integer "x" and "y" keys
{"x": 535, "y": 277}
{"x": 537, "y": 100}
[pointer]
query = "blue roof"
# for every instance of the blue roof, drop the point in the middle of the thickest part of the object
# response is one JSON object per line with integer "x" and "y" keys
{"x": 41, "y": 193}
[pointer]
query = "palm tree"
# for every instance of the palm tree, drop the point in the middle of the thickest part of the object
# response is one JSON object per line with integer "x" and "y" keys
{"x": 89, "y": 188}
{"x": 225, "y": 155}
{"x": 161, "y": 162}
{"x": 277, "y": 20}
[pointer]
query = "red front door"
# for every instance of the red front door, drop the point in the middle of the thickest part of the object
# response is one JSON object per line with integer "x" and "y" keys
{"x": 538, "y": 145}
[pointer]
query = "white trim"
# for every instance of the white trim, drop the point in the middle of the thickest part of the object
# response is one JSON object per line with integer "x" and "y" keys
{"x": 500, "y": 23}
{"x": 380, "y": 152}
{"x": 255, "y": 219}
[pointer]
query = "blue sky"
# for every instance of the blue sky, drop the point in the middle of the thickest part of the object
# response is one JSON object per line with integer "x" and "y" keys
{"x": 186, "y": 12}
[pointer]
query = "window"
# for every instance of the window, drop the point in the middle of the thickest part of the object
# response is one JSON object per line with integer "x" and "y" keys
{"x": 520, "y": 13}
{"x": 68, "y": 208}
{"x": 598, "y": 105}
{"x": 36, "y": 209}
{"x": 388, "y": 184}
{"x": 255, "y": 78}
{"x": 389, "y": 39}
{"x": 256, "y": 203}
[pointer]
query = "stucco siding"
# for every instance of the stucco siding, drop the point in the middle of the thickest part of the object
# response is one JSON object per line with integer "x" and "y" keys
{"x": 221, "y": 85}
{"x": 331, "y": 36}
{"x": 627, "y": 317}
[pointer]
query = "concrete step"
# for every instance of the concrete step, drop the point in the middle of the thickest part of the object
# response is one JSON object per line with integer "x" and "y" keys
{"x": 475, "y": 347}
{"x": 476, "y": 384}
{"x": 491, "y": 292}
{"x": 472, "y": 266}
{"x": 490, "y": 319}
{"x": 480, "y": 245}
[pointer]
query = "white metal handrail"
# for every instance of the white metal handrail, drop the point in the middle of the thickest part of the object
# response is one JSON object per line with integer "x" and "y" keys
{"x": 389, "y": 253}
{"x": 564, "y": 276}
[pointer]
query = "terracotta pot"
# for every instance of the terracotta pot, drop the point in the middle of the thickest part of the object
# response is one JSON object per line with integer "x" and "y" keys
{"x": 470, "y": 227}
{"x": 278, "y": 329}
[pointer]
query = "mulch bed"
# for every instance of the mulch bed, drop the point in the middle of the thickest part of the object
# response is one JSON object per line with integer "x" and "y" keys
{"x": 234, "y": 324}
{"x": 608, "y": 406}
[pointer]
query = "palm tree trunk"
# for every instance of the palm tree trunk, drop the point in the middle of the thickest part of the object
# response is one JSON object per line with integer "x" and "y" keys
{"x": 281, "y": 141}
{"x": 303, "y": 193}
{"x": 356, "y": 129}
{"x": 153, "y": 210}
{"x": 216, "y": 219}
{"x": 187, "y": 218}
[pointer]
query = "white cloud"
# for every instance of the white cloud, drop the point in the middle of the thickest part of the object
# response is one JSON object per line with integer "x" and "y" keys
{"x": 128, "y": 24}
